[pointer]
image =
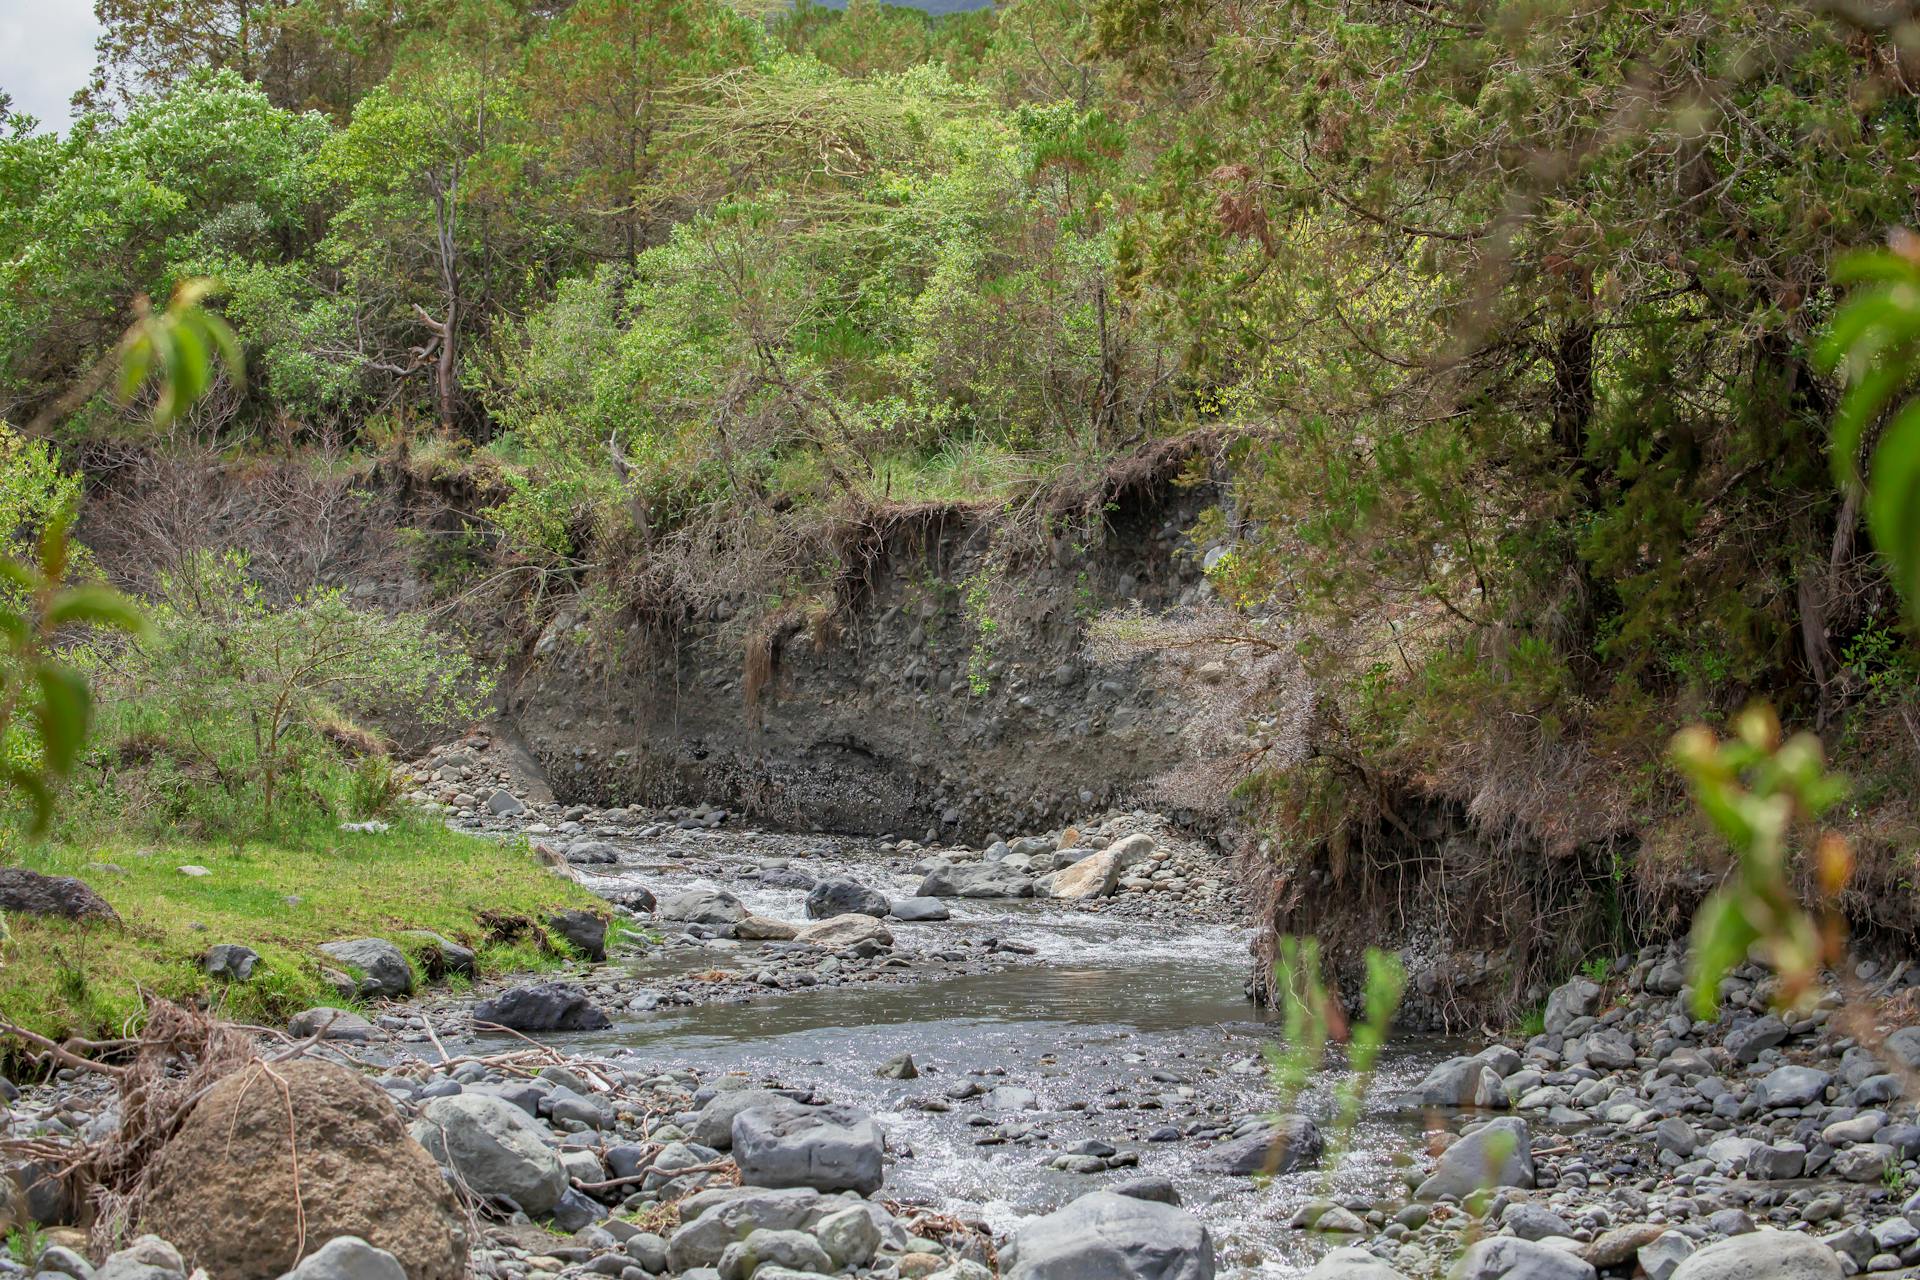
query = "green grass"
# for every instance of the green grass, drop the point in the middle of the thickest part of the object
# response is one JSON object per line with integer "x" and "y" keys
{"x": 281, "y": 895}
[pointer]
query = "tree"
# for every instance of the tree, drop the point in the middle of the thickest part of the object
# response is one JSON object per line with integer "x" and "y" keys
{"x": 433, "y": 233}
{"x": 188, "y": 184}
{"x": 252, "y": 685}
{"x": 603, "y": 83}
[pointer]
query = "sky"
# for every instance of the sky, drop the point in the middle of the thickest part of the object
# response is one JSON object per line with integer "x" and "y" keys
{"x": 46, "y": 52}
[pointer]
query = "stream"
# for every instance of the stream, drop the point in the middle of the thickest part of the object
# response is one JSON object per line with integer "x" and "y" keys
{"x": 1131, "y": 1032}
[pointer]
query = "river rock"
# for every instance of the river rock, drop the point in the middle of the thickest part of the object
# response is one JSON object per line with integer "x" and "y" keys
{"x": 1660, "y": 1258}
{"x": 989, "y": 880}
{"x": 1457, "y": 1082}
{"x": 771, "y": 1250}
{"x": 223, "y": 1188}
{"x": 1103, "y": 1236}
{"x": 714, "y": 1125}
{"x": 1349, "y": 1263}
{"x": 230, "y": 961}
{"x": 850, "y": 1238}
{"x": 584, "y": 931}
{"x": 1762, "y": 1255}
{"x": 765, "y": 929}
{"x": 348, "y": 1258}
{"x": 1293, "y": 1143}
{"x": 713, "y": 907}
{"x": 1793, "y": 1087}
{"x": 1569, "y": 1001}
{"x": 504, "y": 804}
{"x": 148, "y": 1258}
{"x": 1095, "y": 875}
{"x": 919, "y": 909}
{"x": 495, "y": 1148}
{"x": 443, "y": 956}
{"x": 381, "y": 968}
{"x": 330, "y": 1024}
{"x": 712, "y": 1220}
{"x": 787, "y": 1144}
{"x": 29, "y": 893}
{"x": 831, "y": 898}
{"x": 1511, "y": 1258}
{"x": 846, "y": 931}
{"x": 1498, "y": 1154}
{"x": 543, "y": 1006}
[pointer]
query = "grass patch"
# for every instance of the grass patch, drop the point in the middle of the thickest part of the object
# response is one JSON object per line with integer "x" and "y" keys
{"x": 282, "y": 895}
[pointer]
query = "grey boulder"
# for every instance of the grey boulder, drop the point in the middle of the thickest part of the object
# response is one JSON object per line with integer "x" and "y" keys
{"x": 494, "y": 1147}
{"x": 702, "y": 906}
{"x": 1103, "y": 1236}
{"x": 787, "y": 1144}
{"x": 231, "y": 961}
{"x": 714, "y": 1127}
{"x": 330, "y": 1024}
{"x": 831, "y": 898}
{"x": 1498, "y": 1154}
{"x": 1793, "y": 1086}
{"x": 381, "y": 968}
{"x": 1293, "y": 1143}
{"x": 919, "y": 909}
{"x": 987, "y": 880}
{"x": 1511, "y": 1258}
{"x": 347, "y": 1258}
{"x": 1570, "y": 1000}
{"x": 584, "y": 931}
{"x": 543, "y": 1006}
{"x": 1457, "y": 1082}
{"x": 1762, "y": 1255}
{"x": 1349, "y": 1263}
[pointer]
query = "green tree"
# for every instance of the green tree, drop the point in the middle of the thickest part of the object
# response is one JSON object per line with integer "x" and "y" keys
{"x": 251, "y": 685}
{"x": 603, "y": 83}
{"x": 434, "y": 232}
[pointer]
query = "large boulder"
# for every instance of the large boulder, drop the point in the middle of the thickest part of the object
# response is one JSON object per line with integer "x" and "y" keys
{"x": 1349, "y": 1263}
{"x": 543, "y": 1006}
{"x": 1568, "y": 1001}
{"x": 379, "y": 967}
{"x": 1793, "y": 1087}
{"x": 919, "y": 909}
{"x": 1293, "y": 1143}
{"x": 1457, "y": 1082}
{"x": 29, "y": 893}
{"x": 347, "y": 1258}
{"x": 1103, "y": 1236}
{"x": 1762, "y": 1255}
{"x": 787, "y": 1144}
{"x": 711, "y": 1221}
{"x": 831, "y": 898}
{"x": 1498, "y": 1154}
{"x": 1096, "y": 875}
{"x": 495, "y": 1148}
{"x": 846, "y": 931}
{"x": 584, "y": 931}
{"x": 270, "y": 1148}
{"x": 1511, "y": 1258}
{"x": 714, "y": 1125}
{"x": 712, "y": 907}
{"x": 984, "y": 880}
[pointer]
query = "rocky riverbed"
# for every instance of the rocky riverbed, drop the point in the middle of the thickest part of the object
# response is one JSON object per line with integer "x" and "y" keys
{"x": 808, "y": 1055}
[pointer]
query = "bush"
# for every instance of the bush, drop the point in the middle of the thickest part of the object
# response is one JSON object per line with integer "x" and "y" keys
{"x": 236, "y": 706}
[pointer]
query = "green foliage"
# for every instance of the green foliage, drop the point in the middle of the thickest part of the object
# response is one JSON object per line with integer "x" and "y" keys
{"x": 1754, "y": 788}
{"x": 243, "y": 692}
{"x": 1875, "y": 340}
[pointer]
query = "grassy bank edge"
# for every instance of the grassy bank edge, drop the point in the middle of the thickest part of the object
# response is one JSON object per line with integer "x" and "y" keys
{"x": 282, "y": 895}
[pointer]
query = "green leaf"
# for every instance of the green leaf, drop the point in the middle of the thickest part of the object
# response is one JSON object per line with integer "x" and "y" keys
{"x": 96, "y": 607}
{"x": 1721, "y": 935}
{"x": 65, "y": 705}
{"x": 39, "y": 795}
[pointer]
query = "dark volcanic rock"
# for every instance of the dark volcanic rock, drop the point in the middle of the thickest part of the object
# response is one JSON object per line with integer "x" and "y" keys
{"x": 543, "y": 1006}
{"x": 30, "y": 893}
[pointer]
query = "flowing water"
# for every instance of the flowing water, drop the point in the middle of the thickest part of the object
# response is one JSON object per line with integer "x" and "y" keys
{"x": 1120, "y": 1027}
